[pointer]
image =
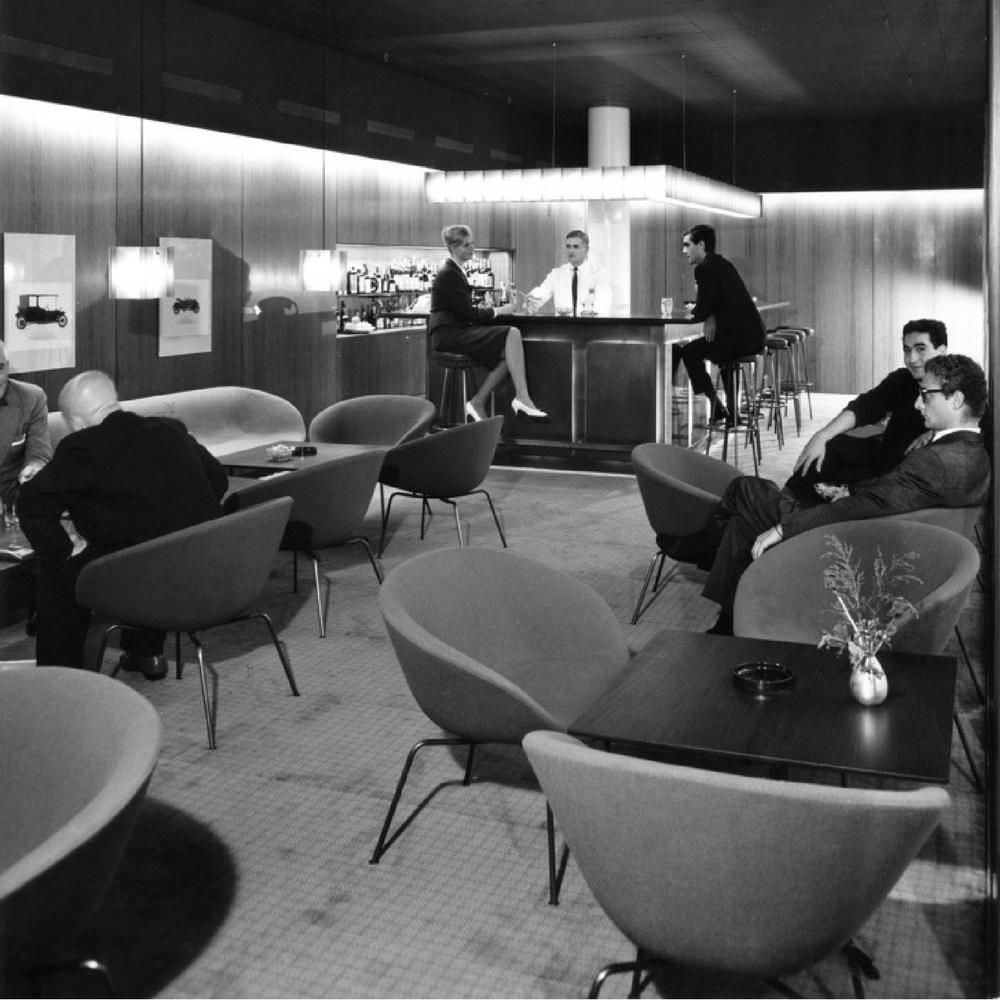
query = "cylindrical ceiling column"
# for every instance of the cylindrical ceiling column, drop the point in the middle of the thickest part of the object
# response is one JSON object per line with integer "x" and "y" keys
{"x": 609, "y": 137}
{"x": 609, "y": 222}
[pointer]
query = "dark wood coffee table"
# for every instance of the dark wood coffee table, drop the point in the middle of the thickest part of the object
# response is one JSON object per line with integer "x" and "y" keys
{"x": 678, "y": 695}
{"x": 256, "y": 462}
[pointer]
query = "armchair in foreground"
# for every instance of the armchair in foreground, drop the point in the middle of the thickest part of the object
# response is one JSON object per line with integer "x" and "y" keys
{"x": 493, "y": 645}
{"x": 78, "y": 751}
{"x": 745, "y": 875}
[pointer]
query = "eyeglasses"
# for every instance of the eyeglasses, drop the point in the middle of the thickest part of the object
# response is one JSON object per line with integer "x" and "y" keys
{"x": 924, "y": 393}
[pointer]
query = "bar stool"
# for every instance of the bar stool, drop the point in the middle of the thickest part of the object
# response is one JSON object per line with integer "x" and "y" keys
{"x": 459, "y": 370}
{"x": 777, "y": 373}
{"x": 741, "y": 374}
{"x": 800, "y": 358}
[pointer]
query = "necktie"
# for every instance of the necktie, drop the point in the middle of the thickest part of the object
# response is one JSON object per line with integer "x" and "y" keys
{"x": 575, "y": 276}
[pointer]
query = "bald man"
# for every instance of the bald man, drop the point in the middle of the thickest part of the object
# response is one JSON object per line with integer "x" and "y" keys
{"x": 118, "y": 479}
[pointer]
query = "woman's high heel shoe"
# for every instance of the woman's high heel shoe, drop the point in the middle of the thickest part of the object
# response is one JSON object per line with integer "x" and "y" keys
{"x": 471, "y": 413}
{"x": 529, "y": 411}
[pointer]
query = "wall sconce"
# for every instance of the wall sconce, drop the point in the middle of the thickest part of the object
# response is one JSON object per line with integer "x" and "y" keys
{"x": 140, "y": 272}
{"x": 652, "y": 183}
{"x": 319, "y": 271}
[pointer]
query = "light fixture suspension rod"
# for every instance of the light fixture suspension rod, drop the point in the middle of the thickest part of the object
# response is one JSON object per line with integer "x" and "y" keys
{"x": 684, "y": 140}
{"x": 734, "y": 135}
{"x": 553, "y": 104}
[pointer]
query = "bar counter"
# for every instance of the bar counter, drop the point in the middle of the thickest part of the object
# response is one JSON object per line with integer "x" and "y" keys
{"x": 605, "y": 381}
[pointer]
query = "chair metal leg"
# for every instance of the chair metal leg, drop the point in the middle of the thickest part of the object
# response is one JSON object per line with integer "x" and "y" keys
{"x": 493, "y": 511}
{"x": 282, "y": 655}
{"x": 620, "y": 968}
{"x": 103, "y": 647}
{"x": 555, "y": 873}
{"x": 968, "y": 663}
{"x": 976, "y": 780}
{"x": 295, "y": 571}
{"x": 384, "y": 842}
{"x": 458, "y": 520}
{"x": 60, "y": 967}
{"x": 361, "y": 540}
{"x": 177, "y": 649}
{"x": 319, "y": 599}
{"x": 209, "y": 706}
{"x": 385, "y": 520}
{"x": 861, "y": 964}
{"x": 655, "y": 563}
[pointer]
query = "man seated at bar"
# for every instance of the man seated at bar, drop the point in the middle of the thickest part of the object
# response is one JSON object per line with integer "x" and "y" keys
{"x": 25, "y": 445}
{"x": 456, "y": 324}
{"x": 732, "y": 326}
{"x": 117, "y": 480}
{"x": 835, "y": 458}
{"x": 951, "y": 470}
{"x": 578, "y": 287}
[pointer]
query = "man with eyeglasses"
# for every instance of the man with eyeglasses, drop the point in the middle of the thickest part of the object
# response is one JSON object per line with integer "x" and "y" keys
{"x": 834, "y": 458}
{"x": 25, "y": 445}
{"x": 951, "y": 470}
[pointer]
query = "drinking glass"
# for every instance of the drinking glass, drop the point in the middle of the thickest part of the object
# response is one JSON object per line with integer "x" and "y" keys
{"x": 666, "y": 306}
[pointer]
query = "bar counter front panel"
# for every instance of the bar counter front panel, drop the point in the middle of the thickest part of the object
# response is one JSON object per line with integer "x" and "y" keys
{"x": 605, "y": 381}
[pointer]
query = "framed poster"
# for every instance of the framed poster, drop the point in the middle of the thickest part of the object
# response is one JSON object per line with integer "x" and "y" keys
{"x": 39, "y": 316}
{"x": 186, "y": 316}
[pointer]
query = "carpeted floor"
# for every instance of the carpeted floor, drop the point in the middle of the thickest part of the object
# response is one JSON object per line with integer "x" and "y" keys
{"x": 248, "y": 874}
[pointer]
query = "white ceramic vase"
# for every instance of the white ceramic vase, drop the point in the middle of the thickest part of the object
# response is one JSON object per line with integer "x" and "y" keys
{"x": 869, "y": 685}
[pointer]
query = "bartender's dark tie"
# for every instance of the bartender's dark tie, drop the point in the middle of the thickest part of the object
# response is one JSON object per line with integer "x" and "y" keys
{"x": 575, "y": 276}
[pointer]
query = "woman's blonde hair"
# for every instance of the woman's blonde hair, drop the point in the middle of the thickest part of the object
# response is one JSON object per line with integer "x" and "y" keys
{"x": 455, "y": 235}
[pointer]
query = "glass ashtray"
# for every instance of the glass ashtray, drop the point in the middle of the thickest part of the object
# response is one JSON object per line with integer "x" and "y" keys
{"x": 762, "y": 677}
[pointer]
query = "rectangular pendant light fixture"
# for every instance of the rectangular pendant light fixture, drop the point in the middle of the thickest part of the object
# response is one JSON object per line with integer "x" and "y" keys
{"x": 140, "y": 272}
{"x": 318, "y": 270}
{"x": 651, "y": 183}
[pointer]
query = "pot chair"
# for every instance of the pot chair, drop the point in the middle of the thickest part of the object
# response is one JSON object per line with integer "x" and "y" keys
{"x": 78, "y": 751}
{"x": 444, "y": 466}
{"x": 493, "y": 645}
{"x": 329, "y": 505}
{"x": 680, "y": 490}
{"x": 191, "y": 580}
{"x": 790, "y": 576}
{"x": 964, "y": 521}
{"x": 382, "y": 419}
{"x": 744, "y": 875}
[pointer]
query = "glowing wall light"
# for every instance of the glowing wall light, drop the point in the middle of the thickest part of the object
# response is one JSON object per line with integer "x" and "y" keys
{"x": 140, "y": 272}
{"x": 319, "y": 271}
{"x": 651, "y": 183}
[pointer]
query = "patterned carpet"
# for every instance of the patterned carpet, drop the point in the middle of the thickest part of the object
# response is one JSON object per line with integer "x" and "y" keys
{"x": 248, "y": 874}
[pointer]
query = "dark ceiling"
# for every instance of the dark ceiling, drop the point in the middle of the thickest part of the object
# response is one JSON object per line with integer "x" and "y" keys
{"x": 788, "y": 61}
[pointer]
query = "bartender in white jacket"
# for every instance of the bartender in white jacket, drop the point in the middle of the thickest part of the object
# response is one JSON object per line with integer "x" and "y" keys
{"x": 592, "y": 288}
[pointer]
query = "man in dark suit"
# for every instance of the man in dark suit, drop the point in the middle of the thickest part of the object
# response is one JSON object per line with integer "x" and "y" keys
{"x": 732, "y": 325}
{"x": 951, "y": 470}
{"x": 118, "y": 480}
{"x": 834, "y": 457}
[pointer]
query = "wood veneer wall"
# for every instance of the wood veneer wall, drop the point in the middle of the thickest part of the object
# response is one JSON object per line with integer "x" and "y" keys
{"x": 855, "y": 267}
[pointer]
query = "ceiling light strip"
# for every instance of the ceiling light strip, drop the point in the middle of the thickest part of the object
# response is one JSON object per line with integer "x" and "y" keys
{"x": 651, "y": 183}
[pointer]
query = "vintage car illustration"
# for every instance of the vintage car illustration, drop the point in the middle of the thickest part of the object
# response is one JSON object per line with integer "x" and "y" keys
{"x": 186, "y": 305}
{"x": 40, "y": 309}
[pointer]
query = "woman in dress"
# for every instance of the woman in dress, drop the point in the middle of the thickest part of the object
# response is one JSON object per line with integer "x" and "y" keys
{"x": 457, "y": 325}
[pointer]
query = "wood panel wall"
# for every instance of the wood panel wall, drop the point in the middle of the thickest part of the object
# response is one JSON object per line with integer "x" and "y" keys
{"x": 855, "y": 267}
